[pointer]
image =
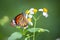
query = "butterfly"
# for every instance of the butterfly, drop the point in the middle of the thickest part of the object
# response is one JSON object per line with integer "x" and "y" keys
{"x": 20, "y": 20}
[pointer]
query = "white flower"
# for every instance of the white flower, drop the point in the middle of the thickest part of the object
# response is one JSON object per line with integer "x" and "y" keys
{"x": 45, "y": 14}
{"x": 31, "y": 11}
{"x": 30, "y": 22}
{"x": 30, "y": 15}
{"x": 44, "y": 10}
{"x": 40, "y": 10}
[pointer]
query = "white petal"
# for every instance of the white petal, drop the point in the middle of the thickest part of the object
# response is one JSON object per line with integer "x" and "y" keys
{"x": 30, "y": 16}
{"x": 40, "y": 10}
{"x": 45, "y": 14}
{"x": 31, "y": 23}
{"x": 31, "y": 11}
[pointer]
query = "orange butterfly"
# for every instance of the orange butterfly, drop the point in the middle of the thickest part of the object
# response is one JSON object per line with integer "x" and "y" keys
{"x": 20, "y": 20}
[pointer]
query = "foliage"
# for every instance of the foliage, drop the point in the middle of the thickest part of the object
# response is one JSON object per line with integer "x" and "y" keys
{"x": 29, "y": 16}
{"x": 15, "y": 36}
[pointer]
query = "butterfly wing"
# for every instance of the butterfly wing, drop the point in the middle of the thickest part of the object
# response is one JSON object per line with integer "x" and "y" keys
{"x": 21, "y": 20}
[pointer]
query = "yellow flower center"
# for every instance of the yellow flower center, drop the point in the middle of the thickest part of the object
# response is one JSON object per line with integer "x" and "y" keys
{"x": 29, "y": 19}
{"x": 45, "y": 10}
{"x": 35, "y": 10}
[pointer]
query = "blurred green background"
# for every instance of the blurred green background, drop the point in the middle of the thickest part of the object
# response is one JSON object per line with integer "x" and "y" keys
{"x": 11, "y": 8}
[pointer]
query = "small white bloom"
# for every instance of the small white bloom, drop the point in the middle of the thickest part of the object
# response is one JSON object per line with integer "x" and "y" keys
{"x": 31, "y": 11}
{"x": 40, "y": 10}
{"x": 45, "y": 14}
{"x": 30, "y": 16}
{"x": 31, "y": 23}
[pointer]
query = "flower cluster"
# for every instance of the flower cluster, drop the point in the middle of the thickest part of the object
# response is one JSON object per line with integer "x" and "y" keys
{"x": 32, "y": 11}
{"x": 29, "y": 14}
{"x": 44, "y": 10}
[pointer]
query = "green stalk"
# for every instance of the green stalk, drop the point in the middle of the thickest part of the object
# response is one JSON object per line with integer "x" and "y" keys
{"x": 34, "y": 28}
{"x": 38, "y": 17}
{"x": 34, "y": 31}
{"x": 35, "y": 25}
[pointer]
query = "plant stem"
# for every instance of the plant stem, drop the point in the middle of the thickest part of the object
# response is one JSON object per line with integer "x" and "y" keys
{"x": 34, "y": 30}
{"x": 35, "y": 26}
{"x": 38, "y": 17}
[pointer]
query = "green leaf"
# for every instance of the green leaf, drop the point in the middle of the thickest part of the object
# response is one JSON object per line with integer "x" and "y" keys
{"x": 32, "y": 29}
{"x": 37, "y": 30}
{"x": 15, "y": 36}
{"x": 43, "y": 30}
